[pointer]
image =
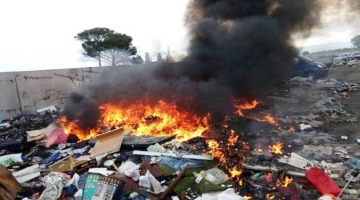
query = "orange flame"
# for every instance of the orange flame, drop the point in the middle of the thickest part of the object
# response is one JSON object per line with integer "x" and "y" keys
{"x": 245, "y": 106}
{"x": 162, "y": 119}
{"x": 235, "y": 172}
{"x": 269, "y": 196}
{"x": 270, "y": 119}
{"x": 292, "y": 129}
{"x": 251, "y": 105}
{"x": 233, "y": 138}
{"x": 216, "y": 151}
{"x": 284, "y": 183}
{"x": 248, "y": 197}
{"x": 276, "y": 148}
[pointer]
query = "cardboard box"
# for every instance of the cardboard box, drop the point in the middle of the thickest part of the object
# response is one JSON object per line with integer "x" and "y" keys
{"x": 108, "y": 142}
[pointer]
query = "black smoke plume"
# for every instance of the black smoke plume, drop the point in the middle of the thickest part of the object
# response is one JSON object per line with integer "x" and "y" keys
{"x": 238, "y": 48}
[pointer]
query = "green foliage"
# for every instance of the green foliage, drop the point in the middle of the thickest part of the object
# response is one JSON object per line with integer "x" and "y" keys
{"x": 356, "y": 41}
{"x": 137, "y": 60}
{"x": 147, "y": 58}
{"x": 98, "y": 40}
{"x": 159, "y": 57}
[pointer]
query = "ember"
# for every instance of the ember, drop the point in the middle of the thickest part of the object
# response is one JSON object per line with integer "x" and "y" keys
{"x": 258, "y": 150}
{"x": 276, "y": 148}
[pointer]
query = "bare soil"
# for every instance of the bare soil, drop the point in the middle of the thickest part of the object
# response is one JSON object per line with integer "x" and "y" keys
{"x": 351, "y": 105}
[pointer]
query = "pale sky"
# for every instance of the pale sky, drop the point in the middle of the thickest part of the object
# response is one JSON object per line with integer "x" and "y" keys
{"x": 39, "y": 34}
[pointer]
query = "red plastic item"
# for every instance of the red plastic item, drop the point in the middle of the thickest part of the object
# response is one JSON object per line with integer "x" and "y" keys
{"x": 322, "y": 182}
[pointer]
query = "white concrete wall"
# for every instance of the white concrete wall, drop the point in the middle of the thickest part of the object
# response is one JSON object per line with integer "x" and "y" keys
{"x": 38, "y": 89}
{"x": 9, "y": 99}
{"x": 26, "y": 92}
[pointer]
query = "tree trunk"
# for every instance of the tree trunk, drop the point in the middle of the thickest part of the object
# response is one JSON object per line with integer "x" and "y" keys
{"x": 99, "y": 60}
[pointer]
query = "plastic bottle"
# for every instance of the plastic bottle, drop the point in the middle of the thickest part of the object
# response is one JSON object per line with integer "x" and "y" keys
{"x": 208, "y": 177}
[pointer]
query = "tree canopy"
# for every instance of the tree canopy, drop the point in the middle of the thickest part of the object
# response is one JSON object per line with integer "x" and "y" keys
{"x": 106, "y": 44}
{"x": 356, "y": 41}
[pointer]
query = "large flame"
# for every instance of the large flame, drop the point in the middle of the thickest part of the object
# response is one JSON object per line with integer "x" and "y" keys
{"x": 162, "y": 119}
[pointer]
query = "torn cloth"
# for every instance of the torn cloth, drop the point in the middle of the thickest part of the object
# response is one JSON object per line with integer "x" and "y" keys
{"x": 55, "y": 183}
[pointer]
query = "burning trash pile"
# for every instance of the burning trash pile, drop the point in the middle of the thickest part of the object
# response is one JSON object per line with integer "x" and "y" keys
{"x": 250, "y": 155}
{"x": 198, "y": 129}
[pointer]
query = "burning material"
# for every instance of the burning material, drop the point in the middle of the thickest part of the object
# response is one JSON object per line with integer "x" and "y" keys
{"x": 215, "y": 150}
{"x": 233, "y": 138}
{"x": 245, "y": 106}
{"x": 270, "y": 119}
{"x": 163, "y": 119}
{"x": 276, "y": 148}
{"x": 285, "y": 182}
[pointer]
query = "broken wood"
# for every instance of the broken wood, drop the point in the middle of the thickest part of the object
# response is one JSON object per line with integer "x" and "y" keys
{"x": 173, "y": 184}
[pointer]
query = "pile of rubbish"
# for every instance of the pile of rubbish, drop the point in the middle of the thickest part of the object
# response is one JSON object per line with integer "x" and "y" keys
{"x": 61, "y": 167}
{"x": 293, "y": 159}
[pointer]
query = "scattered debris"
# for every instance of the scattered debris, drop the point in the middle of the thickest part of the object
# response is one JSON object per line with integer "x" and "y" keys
{"x": 288, "y": 156}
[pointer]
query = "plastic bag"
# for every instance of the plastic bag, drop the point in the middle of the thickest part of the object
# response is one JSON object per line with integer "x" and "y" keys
{"x": 322, "y": 182}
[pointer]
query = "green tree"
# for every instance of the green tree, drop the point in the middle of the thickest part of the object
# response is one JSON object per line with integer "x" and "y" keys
{"x": 356, "y": 41}
{"x": 159, "y": 57}
{"x": 106, "y": 45}
{"x": 137, "y": 60}
{"x": 147, "y": 58}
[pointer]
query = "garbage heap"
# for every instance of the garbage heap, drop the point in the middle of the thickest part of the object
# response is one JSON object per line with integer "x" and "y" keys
{"x": 291, "y": 159}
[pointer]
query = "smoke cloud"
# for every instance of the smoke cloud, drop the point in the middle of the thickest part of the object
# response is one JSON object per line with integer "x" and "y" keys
{"x": 238, "y": 48}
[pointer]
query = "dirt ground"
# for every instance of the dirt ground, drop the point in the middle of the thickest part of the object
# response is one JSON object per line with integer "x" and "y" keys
{"x": 351, "y": 105}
